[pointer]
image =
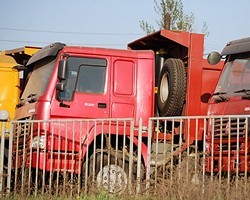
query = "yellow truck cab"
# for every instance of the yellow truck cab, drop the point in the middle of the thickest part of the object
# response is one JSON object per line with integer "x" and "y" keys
{"x": 9, "y": 87}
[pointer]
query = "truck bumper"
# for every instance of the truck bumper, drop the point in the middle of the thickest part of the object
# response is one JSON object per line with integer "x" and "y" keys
{"x": 54, "y": 161}
{"x": 228, "y": 164}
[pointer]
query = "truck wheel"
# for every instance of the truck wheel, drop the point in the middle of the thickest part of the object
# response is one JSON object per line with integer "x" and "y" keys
{"x": 172, "y": 88}
{"x": 106, "y": 172}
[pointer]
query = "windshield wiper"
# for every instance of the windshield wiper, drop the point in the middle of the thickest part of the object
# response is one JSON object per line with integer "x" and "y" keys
{"x": 245, "y": 91}
{"x": 246, "y": 94}
{"x": 218, "y": 93}
{"x": 32, "y": 98}
{"x": 221, "y": 96}
{"x": 21, "y": 103}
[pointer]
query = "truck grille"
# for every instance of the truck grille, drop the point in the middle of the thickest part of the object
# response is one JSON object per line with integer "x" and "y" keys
{"x": 20, "y": 136}
{"x": 230, "y": 129}
{"x": 233, "y": 126}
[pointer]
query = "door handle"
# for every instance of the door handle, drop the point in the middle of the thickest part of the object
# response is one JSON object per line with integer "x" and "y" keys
{"x": 102, "y": 105}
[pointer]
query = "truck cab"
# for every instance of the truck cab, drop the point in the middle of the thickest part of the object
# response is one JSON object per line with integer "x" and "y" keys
{"x": 9, "y": 91}
{"x": 84, "y": 82}
{"x": 232, "y": 93}
{"x": 227, "y": 138}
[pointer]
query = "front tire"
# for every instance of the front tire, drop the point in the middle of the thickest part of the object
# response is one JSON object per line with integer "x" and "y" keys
{"x": 106, "y": 172}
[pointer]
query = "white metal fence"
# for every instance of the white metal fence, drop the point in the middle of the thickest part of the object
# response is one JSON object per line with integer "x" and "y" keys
{"x": 73, "y": 157}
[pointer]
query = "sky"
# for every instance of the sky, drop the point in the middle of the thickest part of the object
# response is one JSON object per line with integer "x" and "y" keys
{"x": 112, "y": 23}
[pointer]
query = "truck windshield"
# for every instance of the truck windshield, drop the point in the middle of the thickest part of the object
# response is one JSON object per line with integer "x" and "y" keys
{"x": 39, "y": 78}
{"x": 234, "y": 78}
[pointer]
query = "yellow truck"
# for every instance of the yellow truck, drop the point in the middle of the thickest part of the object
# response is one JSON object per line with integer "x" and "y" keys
{"x": 12, "y": 78}
{"x": 9, "y": 87}
{"x": 12, "y": 81}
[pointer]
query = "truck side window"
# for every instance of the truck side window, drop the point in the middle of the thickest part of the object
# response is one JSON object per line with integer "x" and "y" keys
{"x": 91, "y": 79}
{"x": 124, "y": 77}
{"x": 84, "y": 75}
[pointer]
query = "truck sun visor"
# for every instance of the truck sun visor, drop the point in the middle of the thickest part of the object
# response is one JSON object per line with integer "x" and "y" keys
{"x": 48, "y": 51}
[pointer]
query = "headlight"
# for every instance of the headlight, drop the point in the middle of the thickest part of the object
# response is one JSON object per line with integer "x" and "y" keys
{"x": 38, "y": 142}
{"x": 4, "y": 115}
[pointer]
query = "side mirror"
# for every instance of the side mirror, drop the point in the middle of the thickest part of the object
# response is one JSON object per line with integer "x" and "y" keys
{"x": 213, "y": 58}
{"x": 19, "y": 67}
{"x": 62, "y": 94}
{"x": 205, "y": 97}
{"x": 62, "y": 69}
{"x": 60, "y": 86}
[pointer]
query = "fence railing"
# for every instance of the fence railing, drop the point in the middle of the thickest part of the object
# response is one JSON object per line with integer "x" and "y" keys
{"x": 73, "y": 157}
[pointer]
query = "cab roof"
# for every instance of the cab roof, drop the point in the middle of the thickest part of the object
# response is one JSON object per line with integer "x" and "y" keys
{"x": 237, "y": 46}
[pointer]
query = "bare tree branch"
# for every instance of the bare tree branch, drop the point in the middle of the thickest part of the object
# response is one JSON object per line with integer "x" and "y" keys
{"x": 172, "y": 17}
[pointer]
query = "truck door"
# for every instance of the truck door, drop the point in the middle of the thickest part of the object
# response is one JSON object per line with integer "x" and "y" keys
{"x": 86, "y": 92}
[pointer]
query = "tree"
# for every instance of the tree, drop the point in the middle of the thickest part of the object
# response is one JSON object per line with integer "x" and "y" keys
{"x": 172, "y": 17}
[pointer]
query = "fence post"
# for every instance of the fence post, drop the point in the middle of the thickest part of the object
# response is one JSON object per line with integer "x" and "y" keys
{"x": 139, "y": 157}
{"x": 4, "y": 115}
{"x": 148, "y": 172}
{"x": 10, "y": 158}
{"x": 2, "y": 155}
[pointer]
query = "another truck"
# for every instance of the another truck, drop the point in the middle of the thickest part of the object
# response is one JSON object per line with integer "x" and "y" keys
{"x": 162, "y": 74}
{"x": 9, "y": 91}
{"x": 12, "y": 77}
{"x": 9, "y": 96}
{"x": 227, "y": 142}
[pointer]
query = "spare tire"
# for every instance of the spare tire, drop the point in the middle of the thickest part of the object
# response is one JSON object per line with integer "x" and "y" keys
{"x": 172, "y": 88}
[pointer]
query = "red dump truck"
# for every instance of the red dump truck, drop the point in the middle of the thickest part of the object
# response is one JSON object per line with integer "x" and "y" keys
{"x": 227, "y": 142}
{"x": 161, "y": 74}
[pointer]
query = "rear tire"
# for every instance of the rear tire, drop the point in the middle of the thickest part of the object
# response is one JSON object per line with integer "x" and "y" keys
{"x": 172, "y": 88}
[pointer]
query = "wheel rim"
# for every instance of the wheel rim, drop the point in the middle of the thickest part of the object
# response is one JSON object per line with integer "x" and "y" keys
{"x": 113, "y": 178}
{"x": 164, "y": 90}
